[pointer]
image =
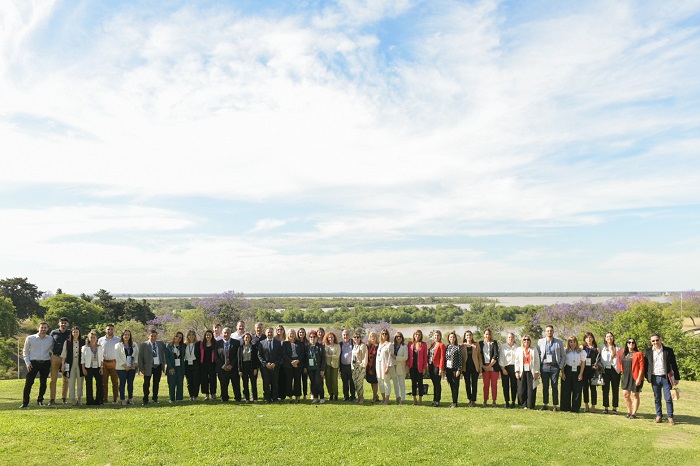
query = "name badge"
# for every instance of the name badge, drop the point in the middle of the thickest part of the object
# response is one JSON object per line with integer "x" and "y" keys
{"x": 311, "y": 362}
{"x": 156, "y": 361}
{"x": 487, "y": 359}
{"x": 177, "y": 363}
{"x": 526, "y": 368}
{"x": 588, "y": 361}
{"x": 548, "y": 359}
{"x": 190, "y": 362}
{"x": 574, "y": 368}
{"x": 128, "y": 361}
{"x": 67, "y": 367}
{"x": 449, "y": 364}
{"x": 94, "y": 365}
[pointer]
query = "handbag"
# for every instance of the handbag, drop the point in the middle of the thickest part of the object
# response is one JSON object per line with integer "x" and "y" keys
{"x": 598, "y": 380}
{"x": 675, "y": 394}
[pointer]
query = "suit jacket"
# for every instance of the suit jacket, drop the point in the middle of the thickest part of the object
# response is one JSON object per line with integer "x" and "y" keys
{"x": 534, "y": 360}
{"x": 401, "y": 358}
{"x": 287, "y": 354}
{"x": 422, "y": 362}
{"x": 320, "y": 357}
{"x": 670, "y": 364}
{"x": 558, "y": 350}
{"x": 493, "y": 355}
{"x": 232, "y": 355}
{"x": 146, "y": 357}
{"x": 475, "y": 357}
{"x": 265, "y": 354}
{"x": 121, "y": 356}
{"x": 439, "y": 355}
{"x": 170, "y": 356}
{"x": 255, "y": 361}
{"x": 637, "y": 363}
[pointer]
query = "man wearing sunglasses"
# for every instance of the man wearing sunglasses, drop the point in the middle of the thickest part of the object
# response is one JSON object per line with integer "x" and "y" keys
{"x": 662, "y": 374}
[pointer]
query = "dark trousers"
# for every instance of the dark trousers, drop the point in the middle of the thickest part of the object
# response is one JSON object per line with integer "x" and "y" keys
{"x": 612, "y": 378}
{"x": 43, "y": 368}
{"x": 249, "y": 377}
{"x": 453, "y": 380}
{"x": 192, "y": 376}
{"x": 156, "y": 373}
{"x": 292, "y": 381}
{"x": 588, "y": 373}
{"x": 281, "y": 391}
{"x": 316, "y": 384}
{"x": 175, "y": 383}
{"x": 437, "y": 382}
{"x": 348, "y": 384}
{"x": 416, "y": 381}
{"x": 509, "y": 382}
{"x": 305, "y": 382}
{"x": 526, "y": 392}
{"x": 230, "y": 377}
{"x": 93, "y": 374}
{"x": 550, "y": 378}
{"x": 661, "y": 383}
{"x": 571, "y": 391}
{"x": 207, "y": 379}
{"x": 471, "y": 383}
{"x": 270, "y": 383}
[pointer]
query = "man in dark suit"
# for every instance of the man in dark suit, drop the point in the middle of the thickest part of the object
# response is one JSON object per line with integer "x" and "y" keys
{"x": 662, "y": 374}
{"x": 227, "y": 365}
{"x": 270, "y": 355}
{"x": 151, "y": 364}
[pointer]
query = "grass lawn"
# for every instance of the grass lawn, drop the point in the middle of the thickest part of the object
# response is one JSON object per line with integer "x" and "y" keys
{"x": 206, "y": 433}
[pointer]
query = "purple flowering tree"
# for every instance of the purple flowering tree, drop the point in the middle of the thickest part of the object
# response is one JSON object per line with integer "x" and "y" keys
{"x": 227, "y": 308}
{"x": 687, "y": 304}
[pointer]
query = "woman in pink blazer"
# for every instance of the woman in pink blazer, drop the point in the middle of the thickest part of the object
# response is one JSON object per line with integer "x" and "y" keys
{"x": 417, "y": 364}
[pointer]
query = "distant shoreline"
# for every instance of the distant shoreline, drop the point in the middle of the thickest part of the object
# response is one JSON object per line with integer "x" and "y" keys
{"x": 568, "y": 294}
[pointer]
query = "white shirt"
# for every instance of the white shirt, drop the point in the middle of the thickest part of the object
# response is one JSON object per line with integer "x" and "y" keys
{"x": 608, "y": 358}
{"x": 574, "y": 359}
{"x": 238, "y": 336}
{"x": 507, "y": 354}
{"x": 658, "y": 361}
{"x": 189, "y": 353}
{"x": 37, "y": 349}
{"x": 108, "y": 346}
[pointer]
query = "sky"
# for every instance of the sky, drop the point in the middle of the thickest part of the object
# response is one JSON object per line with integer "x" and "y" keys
{"x": 350, "y": 146}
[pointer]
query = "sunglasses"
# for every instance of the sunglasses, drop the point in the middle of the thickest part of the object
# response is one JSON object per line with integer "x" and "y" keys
{"x": 526, "y": 339}
{"x": 631, "y": 342}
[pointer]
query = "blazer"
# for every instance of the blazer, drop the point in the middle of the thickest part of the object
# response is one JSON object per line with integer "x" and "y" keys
{"x": 439, "y": 355}
{"x": 476, "y": 357}
{"x": 255, "y": 362}
{"x": 384, "y": 359}
{"x": 287, "y": 357}
{"x": 267, "y": 354}
{"x": 558, "y": 350}
{"x": 670, "y": 364}
{"x": 232, "y": 355}
{"x": 400, "y": 361}
{"x": 332, "y": 355}
{"x": 534, "y": 360}
{"x": 614, "y": 358}
{"x": 453, "y": 355}
{"x": 88, "y": 357}
{"x": 121, "y": 356}
{"x": 146, "y": 357}
{"x": 637, "y": 364}
{"x": 67, "y": 354}
{"x": 170, "y": 356}
{"x": 359, "y": 356}
{"x": 493, "y": 355}
{"x": 422, "y": 362}
{"x": 320, "y": 357}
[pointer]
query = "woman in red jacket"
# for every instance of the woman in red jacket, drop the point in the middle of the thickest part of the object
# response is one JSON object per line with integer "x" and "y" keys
{"x": 436, "y": 365}
{"x": 631, "y": 364}
{"x": 417, "y": 364}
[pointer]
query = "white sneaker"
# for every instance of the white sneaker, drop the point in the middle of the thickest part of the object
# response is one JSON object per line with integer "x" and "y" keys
{"x": 314, "y": 400}
{"x": 323, "y": 400}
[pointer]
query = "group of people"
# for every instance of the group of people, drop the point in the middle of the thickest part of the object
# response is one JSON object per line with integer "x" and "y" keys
{"x": 294, "y": 363}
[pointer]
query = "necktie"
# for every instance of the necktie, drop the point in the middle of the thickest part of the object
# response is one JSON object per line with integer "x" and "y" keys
{"x": 226, "y": 352}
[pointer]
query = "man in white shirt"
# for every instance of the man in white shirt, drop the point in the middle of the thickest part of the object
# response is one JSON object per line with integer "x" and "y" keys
{"x": 37, "y": 357}
{"x": 108, "y": 343}
{"x": 662, "y": 374}
{"x": 345, "y": 367}
{"x": 240, "y": 331}
{"x": 217, "y": 332}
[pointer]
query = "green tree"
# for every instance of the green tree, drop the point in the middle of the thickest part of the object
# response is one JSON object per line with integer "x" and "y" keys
{"x": 642, "y": 319}
{"x": 24, "y": 296}
{"x": 113, "y": 309}
{"x": 8, "y": 318}
{"x": 139, "y": 311}
{"x": 79, "y": 312}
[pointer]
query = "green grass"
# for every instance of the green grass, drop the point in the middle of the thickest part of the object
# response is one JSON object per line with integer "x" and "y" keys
{"x": 340, "y": 433}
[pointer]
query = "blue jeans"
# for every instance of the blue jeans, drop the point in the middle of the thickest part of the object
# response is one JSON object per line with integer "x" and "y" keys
{"x": 553, "y": 378}
{"x": 659, "y": 382}
{"x": 126, "y": 378}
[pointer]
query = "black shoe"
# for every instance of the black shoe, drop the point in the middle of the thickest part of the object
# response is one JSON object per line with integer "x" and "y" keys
{"x": 64, "y": 401}
{"x": 51, "y": 403}
{"x": 507, "y": 404}
{"x": 41, "y": 403}
{"x": 345, "y": 398}
{"x": 352, "y": 398}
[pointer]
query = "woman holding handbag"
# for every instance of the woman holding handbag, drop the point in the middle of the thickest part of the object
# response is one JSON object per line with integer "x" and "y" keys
{"x": 608, "y": 360}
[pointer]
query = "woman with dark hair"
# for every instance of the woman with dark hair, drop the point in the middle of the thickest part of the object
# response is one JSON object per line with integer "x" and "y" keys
{"x": 417, "y": 365}
{"x": 453, "y": 365}
{"x": 127, "y": 360}
{"x": 281, "y": 336}
{"x": 71, "y": 361}
{"x": 371, "y": 369}
{"x": 471, "y": 366}
{"x": 490, "y": 368}
{"x": 192, "y": 364}
{"x": 301, "y": 336}
{"x": 332, "y": 350}
{"x": 248, "y": 364}
{"x": 293, "y": 363}
{"x": 590, "y": 348}
{"x": 93, "y": 356}
{"x": 207, "y": 365}
{"x": 632, "y": 367}
{"x": 436, "y": 366}
{"x": 400, "y": 356}
{"x": 359, "y": 365}
{"x": 174, "y": 369}
{"x": 608, "y": 358}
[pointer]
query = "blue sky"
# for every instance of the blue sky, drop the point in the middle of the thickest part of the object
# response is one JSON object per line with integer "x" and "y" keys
{"x": 352, "y": 146}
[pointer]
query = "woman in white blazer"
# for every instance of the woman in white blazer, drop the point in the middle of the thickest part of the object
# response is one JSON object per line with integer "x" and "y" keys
{"x": 127, "y": 362}
{"x": 608, "y": 358}
{"x": 527, "y": 371}
{"x": 385, "y": 365}
{"x": 93, "y": 355}
{"x": 400, "y": 356}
